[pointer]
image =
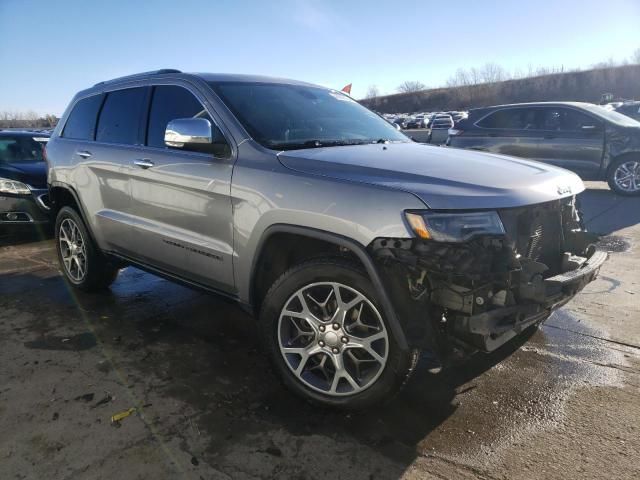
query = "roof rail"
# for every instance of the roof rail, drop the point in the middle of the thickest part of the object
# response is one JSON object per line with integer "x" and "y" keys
{"x": 142, "y": 74}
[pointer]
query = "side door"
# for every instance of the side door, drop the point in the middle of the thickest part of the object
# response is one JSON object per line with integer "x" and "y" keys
{"x": 103, "y": 182}
{"x": 181, "y": 200}
{"x": 571, "y": 139}
{"x": 508, "y": 131}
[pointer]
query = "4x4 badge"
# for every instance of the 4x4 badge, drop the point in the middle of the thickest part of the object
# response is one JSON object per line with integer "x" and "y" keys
{"x": 563, "y": 190}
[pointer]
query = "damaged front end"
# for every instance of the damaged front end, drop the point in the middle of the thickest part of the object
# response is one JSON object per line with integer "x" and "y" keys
{"x": 459, "y": 297}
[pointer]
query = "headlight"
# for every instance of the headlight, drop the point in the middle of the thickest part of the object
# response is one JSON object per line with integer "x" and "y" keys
{"x": 454, "y": 227}
{"x": 11, "y": 186}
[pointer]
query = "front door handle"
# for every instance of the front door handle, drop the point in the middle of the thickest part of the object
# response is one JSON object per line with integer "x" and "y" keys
{"x": 84, "y": 153}
{"x": 143, "y": 163}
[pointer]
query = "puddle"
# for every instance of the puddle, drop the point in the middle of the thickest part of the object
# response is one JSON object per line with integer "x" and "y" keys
{"x": 74, "y": 343}
{"x": 613, "y": 243}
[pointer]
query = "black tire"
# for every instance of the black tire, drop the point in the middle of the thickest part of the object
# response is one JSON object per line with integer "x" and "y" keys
{"x": 399, "y": 364}
{"x": 99, "y": 273}
{"x": 611, "y": 176}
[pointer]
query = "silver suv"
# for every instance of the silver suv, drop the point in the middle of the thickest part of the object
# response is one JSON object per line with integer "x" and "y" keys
{"x": 354, "y": 247}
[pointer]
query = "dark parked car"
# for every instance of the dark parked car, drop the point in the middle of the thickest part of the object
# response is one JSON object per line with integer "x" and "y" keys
{"x": 594, "y": 142}
{"x": 440, "y": 126}
{"x": 401, "y": 122}
{"x": 630, "y": 109}
{"x": 23, "y": 178}
{"x": 416, "y": 122}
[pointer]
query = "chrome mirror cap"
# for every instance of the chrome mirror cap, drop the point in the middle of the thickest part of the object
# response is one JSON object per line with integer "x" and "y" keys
{"x": 182, "y": 132}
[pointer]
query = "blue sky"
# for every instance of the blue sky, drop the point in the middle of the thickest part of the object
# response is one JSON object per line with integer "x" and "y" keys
{"x": 51, "y": 49}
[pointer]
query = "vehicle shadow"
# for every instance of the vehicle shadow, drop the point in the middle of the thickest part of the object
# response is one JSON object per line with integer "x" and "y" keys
{"x": 19, "y": 235}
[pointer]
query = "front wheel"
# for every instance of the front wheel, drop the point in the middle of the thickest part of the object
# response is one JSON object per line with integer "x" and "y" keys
{"x": 328, "y": 337}
{"x": 624, "y": 176}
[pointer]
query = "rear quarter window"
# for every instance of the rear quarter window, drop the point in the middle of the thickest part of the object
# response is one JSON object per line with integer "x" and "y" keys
{"x": 81, "y": 124}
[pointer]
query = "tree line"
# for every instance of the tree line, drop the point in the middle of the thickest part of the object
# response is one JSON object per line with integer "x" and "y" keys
{"x": 491, "y": 84}
{"x": 29, "y": 119}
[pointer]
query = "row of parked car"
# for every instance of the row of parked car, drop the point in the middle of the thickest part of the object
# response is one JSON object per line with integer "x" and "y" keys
{"x": 438, "y": 123}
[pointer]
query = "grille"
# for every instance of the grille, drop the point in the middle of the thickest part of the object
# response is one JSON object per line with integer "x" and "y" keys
{"x": 536, "y": 242}
{"x": 535, "y": 232}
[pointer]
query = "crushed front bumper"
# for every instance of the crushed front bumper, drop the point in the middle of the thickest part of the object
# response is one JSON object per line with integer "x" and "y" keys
{"x": 495, "y": 327}
{"x": 457, "y": 298}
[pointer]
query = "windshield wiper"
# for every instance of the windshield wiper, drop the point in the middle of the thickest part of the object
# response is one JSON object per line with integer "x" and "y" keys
{"x": 318, "y": 144}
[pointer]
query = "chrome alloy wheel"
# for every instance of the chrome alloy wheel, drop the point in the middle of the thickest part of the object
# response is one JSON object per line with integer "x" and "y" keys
{"x": 627, "y": 176}
{"x": 72, "y": 250}
{"x": 333, "y": 338}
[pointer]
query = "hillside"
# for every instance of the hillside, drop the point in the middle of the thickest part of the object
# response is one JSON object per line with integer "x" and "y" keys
{"x": 585, "y": 86}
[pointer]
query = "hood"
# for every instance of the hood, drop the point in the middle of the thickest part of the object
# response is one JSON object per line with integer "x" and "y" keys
{"x": 31, "y": 173}
{"x": 442, "y": 177}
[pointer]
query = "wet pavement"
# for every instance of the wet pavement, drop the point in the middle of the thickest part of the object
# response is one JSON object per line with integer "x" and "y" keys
{"x": 561, "y": 401}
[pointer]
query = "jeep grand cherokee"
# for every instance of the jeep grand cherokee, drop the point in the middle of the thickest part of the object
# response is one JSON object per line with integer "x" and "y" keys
{"x": 354, "y": 246}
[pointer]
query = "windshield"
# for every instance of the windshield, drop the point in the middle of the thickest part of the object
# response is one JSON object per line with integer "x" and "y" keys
{"x": 612, "y": 116}
{"x": 20, "y": 148}
{"x": 281, "y": 116}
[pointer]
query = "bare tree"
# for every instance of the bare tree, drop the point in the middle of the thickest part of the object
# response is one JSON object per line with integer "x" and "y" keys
{"x": 372, "y": 92}
{"x": 411, "y": 86}
{"x": 635, "y": 58}
{"x": 492, "y": 72}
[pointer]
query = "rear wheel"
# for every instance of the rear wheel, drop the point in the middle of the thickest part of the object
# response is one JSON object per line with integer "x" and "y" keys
{"x": 83, "y": 265}
{"x": 328, "y": 337}
{"x": 624, "y": 176}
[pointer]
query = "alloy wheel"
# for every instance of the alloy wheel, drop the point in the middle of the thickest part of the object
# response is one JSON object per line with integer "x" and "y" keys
{"x": 333, "y": 338}
{"x": 72, "y": 250}
{"x": 627, "y": 176}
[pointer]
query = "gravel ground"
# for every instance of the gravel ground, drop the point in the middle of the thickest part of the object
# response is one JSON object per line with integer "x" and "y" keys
{"x": 560, "y": 403}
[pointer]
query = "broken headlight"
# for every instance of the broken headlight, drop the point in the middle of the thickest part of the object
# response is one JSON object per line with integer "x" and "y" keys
{"x": 11, "y": 186}
{"x": 454, "y": 227}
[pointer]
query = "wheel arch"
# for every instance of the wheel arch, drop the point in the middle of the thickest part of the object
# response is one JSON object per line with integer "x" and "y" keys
{"x": 64, "y": 195}
{"x": 631, "y": 154}
{"x": 319, "y": 238}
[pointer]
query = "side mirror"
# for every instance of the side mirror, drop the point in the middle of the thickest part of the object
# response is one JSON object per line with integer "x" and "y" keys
{"x": 188, "y": 133}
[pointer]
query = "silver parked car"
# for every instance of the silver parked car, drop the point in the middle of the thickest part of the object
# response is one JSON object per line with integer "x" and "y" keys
{"x": 440, "y": 125}
{"x": 353, "y": 246}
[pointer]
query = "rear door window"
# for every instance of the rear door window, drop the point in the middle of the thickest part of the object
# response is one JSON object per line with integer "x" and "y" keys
{"x": 81, "y": 124}
{"x": 511, "y": 119}
{"x": 119, "y": 120}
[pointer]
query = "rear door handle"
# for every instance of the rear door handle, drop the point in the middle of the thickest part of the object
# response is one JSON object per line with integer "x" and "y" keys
{"x": 143, "y": 163}
{"x": 549, "y": 137}
{"x": 84, "y": 153}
